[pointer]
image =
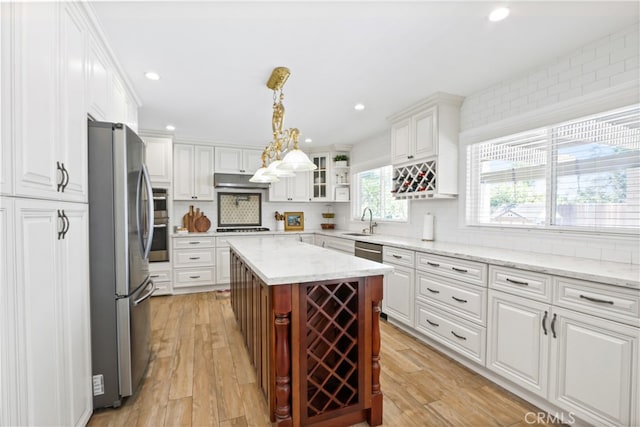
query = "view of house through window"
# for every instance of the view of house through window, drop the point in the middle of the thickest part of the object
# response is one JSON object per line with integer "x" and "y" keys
{"x": 583, "y": 174}
{"x": 373, "y": 190}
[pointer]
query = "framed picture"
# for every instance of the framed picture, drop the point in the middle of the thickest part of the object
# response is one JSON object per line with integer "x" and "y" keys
{"x": 293, "y": 221}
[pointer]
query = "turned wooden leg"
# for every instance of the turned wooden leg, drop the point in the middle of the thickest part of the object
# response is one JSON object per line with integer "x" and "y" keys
{"x": 375, "y": 414}
{"x": 282, "y": 308}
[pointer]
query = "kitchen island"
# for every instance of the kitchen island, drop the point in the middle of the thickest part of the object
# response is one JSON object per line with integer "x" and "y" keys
{"x": 310, "y": 320}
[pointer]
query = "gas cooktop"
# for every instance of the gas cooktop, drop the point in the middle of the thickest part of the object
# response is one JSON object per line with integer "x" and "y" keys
{"x": 241, "y": 229}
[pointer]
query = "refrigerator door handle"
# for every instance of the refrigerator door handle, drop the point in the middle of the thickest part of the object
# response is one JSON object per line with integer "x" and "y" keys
{"x": 150, "y": 215}
{"x": 146, "y": 295}
{"x": 143, "y": 179}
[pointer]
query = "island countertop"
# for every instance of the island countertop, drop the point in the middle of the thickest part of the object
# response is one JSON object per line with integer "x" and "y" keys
{"x": 280, "y": 261}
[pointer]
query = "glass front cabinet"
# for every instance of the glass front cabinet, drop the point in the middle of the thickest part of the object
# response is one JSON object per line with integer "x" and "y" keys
{"x": 330, "y": 181}
{"x": 320, "y": 177}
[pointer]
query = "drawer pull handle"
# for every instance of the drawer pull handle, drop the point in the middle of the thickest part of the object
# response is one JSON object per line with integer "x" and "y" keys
{"x": 154, "y": 275}
{"x": 433, "y": 291}
{"x": 553, "y": 325}
{"x": 194, "y": 277}
{"x": 459, "y": 300}
{"x": 194, "y": 257}
{"x": 432, "y": 323}
{"x": 459, "y": 336}
{"x": 596, "y": 300}
{"x": 544, "y": 322}
{"x": 396, "y": 256}
{"x": 194, "y": 243}
{"x": 461, "y": 270}
{"x": 433, "y": 264}
{"x": 517, "y": 282}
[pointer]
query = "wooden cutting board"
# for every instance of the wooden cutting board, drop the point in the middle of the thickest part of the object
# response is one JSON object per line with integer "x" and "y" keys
{"x": 188, "y": 220}
{"x": 202, "y": 223}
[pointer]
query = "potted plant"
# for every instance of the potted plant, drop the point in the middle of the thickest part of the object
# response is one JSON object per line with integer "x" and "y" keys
{"x": 341, "y": 160}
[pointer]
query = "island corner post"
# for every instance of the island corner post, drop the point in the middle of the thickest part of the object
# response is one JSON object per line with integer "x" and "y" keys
{"x": 315, "y": 346}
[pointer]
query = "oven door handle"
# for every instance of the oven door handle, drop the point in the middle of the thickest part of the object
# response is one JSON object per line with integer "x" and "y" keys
{"x": 159, "y": 225}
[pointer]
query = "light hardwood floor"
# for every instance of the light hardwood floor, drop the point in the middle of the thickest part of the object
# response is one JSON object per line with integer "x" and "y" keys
{"x": 200, "y": 375}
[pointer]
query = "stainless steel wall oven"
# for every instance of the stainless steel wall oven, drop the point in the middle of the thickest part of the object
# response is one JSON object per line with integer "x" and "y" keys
{"x": 160, "y": 244}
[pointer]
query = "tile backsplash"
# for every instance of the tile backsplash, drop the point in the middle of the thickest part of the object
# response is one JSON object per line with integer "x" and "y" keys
{"x": 241, "y": 209}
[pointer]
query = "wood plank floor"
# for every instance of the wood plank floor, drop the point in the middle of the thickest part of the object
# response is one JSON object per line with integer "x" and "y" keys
{"x": 200, "y": 375}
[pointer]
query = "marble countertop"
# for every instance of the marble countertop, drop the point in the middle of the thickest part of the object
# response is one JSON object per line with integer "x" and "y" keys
{"x": 614, "y": 273}
{"x": 280, "y": 261}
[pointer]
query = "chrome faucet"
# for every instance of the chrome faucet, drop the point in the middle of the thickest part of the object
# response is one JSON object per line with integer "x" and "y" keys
{"x": 371, "y": 223}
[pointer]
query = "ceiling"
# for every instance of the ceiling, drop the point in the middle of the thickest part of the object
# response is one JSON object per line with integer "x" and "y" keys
{"x": 214, "y": 58}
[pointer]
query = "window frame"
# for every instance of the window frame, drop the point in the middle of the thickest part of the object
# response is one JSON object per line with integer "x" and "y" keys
{"x": 470, "y": 211}
{"x": 355, "y": 215}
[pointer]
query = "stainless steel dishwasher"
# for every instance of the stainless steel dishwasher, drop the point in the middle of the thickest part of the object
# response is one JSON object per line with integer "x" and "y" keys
{"x": 367, "y": 250}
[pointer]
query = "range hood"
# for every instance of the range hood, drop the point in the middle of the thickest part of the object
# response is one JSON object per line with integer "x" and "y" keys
{"x": 232, "y": 180}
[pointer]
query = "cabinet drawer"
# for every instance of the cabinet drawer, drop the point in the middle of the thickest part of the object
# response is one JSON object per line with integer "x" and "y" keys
{"x": 455, "y": 268}
{"x": 343, "y": 245}
{"x": 466, "y": 301}
{"x": 194, "y": 257}
{"x": 520, "y": 282}
{"x": 601, "y": 300}
{"x": 160, "y": 276}
{"x": 162, "y": 288}
{"x": 398, "y": 256}
{"x": 193, "y": 242}
{"x": 464, "y": 337}
{"x": 193, "y": 277}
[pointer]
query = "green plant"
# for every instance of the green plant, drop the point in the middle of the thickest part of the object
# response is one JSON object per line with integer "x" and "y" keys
{"x": 340, "y": 157}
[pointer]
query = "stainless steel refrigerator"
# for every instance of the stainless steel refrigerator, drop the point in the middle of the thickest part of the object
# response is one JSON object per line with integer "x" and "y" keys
{"x": 120, "y": 236}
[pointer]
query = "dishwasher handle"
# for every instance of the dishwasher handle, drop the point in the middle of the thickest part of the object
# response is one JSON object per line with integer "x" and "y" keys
{"x": 369, "y": 250}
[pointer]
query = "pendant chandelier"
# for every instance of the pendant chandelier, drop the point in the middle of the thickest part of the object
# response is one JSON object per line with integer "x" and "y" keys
{"x": 284, "y": 142}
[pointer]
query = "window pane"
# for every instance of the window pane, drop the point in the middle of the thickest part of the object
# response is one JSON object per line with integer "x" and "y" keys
{"x": 512, "y": 180}
{"x": 374, "y": 192}
{"x": 598, "y": 171}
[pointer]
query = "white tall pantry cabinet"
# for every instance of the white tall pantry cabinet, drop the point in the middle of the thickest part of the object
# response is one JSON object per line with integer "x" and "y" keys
{"x": 53, "y": 74}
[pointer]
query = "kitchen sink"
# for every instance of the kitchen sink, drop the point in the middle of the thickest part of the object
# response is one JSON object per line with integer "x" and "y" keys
{"x": 356, "y": 234}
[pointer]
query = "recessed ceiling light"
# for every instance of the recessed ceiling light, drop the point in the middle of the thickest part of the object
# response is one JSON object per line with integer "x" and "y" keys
{"x": 359, "y": 107}
{"x": 307, "y": 140}
{"x": 498, "y": 14}
{"x": 152, "y": 75}
{"x": 170, "y": 127}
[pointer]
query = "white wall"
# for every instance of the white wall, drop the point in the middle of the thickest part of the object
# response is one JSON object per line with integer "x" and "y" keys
{"x": 601, "y": 67}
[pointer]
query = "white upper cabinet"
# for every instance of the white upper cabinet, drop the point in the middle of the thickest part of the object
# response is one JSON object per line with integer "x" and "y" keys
{"x": 192, "y": 172}
{"x": 97, "y": 81}
{"x": 237, "y": 160}
{"x": 6, "y": 89}
{"x": 401, "y": 147}
{"x": 294, "y": 189}
{"x": 159, "y": 160}
{"x": 424, "y": 137}
{"x": 49, "y": 52}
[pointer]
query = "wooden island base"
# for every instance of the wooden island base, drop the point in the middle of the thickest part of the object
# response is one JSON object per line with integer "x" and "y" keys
{"x": 315, "y": 346}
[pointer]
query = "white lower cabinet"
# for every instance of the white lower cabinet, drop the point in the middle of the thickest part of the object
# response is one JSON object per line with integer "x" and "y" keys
{"x": 52, "y": 313}
{"x": 584, "y": 364}
{"x": 194, "y": 261}
{"x": 336, "y": 243}
{"x": 399, "y": 294}
{"x": 160, "y": 273}
{"x": 460, "y": 335}
{"x": 223, "y": 263}
{"x": 518, "y": 334}
{"x": 593, "y": 369}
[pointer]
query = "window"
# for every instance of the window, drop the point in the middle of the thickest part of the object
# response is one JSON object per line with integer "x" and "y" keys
{"x": 583, "y": 174}
{"x": 373, "y": 190}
